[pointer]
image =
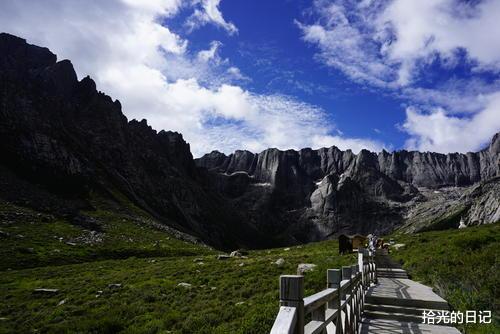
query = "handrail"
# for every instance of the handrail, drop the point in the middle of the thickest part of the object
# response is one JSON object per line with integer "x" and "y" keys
{"x": 312, "y": 302}
{"x": 285, "y": 321}
{"x": 336, "y": 309}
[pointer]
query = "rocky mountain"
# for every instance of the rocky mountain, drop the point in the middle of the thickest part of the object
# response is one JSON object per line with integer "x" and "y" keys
{"x": 63, "y": 143}
{"x": 61, "y": 140}
{"x": 311, "y": 194}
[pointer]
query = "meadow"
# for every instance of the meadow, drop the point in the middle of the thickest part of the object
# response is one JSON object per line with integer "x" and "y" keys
{"x": 133, "y": 278}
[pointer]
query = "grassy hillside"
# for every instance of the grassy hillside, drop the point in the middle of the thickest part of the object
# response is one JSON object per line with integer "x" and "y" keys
{"x": 125, "y": 276}
{"x": 128, "y": 280}
{"x": 33, "y": 239}
{"x": 463, "y": 266}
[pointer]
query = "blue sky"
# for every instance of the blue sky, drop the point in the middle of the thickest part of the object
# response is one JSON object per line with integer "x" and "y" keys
{"x": 238, "y": 74}
{"x": 269, "y": 50}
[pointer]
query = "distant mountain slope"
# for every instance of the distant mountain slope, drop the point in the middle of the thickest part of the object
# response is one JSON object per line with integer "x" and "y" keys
{"x": 311, "y": 194}
{"x": 67, "y": 139}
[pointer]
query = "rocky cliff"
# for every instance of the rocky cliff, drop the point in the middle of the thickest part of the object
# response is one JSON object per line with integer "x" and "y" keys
{"x": 327, "y": 191}
{"x": 61, "y": 140}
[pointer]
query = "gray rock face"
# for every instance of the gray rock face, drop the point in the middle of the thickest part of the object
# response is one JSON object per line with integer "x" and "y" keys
{"x": 329, "y": 191}
{"x": 61, "y": 139}
{"x": 419, "y": 169}
{"x": 445, "y": 208}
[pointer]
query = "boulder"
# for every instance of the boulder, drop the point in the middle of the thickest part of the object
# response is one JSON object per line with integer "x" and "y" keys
{"x": 280, "y": 262}
{"x": 305, "y": 267}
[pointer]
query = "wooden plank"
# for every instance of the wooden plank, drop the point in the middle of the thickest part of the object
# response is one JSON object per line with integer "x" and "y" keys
{"x": 285, "y": 321}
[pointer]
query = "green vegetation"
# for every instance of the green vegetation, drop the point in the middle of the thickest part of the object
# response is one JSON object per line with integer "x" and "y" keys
{"x": 463, "y": 266}
{"x": 125, "y": 278}
{"x": 32, "y": 239}
{"x": 237, "y": 295}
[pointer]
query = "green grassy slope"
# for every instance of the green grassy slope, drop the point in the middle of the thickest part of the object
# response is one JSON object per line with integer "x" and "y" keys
{"x": 33, "y": 239}
{"x": 463, "y": 266}
{"x": 226, "y": 296}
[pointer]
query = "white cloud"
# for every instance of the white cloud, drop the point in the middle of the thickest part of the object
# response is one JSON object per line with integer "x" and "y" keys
{"x": 389, "y": 45}
{"x": 437, "y": 131}
{"x": 422, "y": 28}
{"x": 354, "y": 144}
{"x": 210, "y": 54}
{"x": 209, "y": 12}
{"x": 150, "y": 69}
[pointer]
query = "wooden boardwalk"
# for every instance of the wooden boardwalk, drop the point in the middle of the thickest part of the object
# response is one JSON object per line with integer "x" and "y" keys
{"x": 374, "y": 296}
{"x": 396, "y": 303}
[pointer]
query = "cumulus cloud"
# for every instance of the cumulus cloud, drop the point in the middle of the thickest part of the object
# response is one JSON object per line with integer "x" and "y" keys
{"x": 440, "y": 132}
{"x": 208, "y": 12}
{"x": 137, "y": 59}
{"x": 391, "y": 44}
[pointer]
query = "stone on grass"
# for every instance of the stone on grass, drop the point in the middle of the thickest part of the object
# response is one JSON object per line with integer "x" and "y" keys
{"x": 280, "y": 262}
{"x": 42, "y": 291}
{"x": 398, "y": 246}
{"x": 114, "y": 286}
{"x": 222, "y": 257}
{"x": 185, "y": 285}
{"x": 235, "y": 254}
{"x": 305, "y": 267}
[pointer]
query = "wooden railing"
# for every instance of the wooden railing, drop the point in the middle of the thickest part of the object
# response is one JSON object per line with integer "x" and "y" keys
{"x": 337, "y": 309}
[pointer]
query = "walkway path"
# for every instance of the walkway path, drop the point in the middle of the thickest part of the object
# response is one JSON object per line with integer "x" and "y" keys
{"x": 396, "y": 303}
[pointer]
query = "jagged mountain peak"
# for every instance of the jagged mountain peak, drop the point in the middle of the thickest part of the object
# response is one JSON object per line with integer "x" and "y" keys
{"x": 62, "y": 137}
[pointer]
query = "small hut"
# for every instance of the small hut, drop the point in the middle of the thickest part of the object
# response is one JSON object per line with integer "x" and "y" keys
{"x": 358, "y": 241}
{"x": 349, "y": 242}
{"x": 345, "y": 244}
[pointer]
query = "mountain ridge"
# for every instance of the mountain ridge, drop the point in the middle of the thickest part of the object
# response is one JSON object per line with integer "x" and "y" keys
{"x": 69, "y": 140}
{"x": 61, "y": 141}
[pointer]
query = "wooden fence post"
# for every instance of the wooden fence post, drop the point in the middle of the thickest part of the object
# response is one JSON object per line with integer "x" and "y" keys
{"x": 292, "y": 294}
{"x": 333, "y": 278}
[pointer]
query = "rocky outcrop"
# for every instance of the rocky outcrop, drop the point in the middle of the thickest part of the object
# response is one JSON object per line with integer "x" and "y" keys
{"x": 447, "y": 207}
{"x": 432, "y": 170}
{"x": 61, "y": 140}
{"x": 328, "y": 191}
